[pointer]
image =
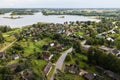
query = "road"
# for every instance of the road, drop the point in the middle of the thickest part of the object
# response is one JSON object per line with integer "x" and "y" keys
{"x": 60, "y": 61}
{"x": 88, "y": 46}
{"x": 107, "y": 31}
{"x": 2, "y": 50}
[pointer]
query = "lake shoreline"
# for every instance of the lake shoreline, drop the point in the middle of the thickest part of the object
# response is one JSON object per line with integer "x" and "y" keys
{"x": 39, "y": 17}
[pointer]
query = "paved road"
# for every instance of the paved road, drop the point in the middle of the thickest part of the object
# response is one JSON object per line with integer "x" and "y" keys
{"x": 88, "y": 46}
{"x": 108, "y": 31}
{"x": 2, "y": 50}
{"x": 60, "y": 61}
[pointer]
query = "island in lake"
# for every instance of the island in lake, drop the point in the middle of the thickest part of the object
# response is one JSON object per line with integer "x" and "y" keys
{"x": 61, "y": 17}
{"x": 15, "y": 17}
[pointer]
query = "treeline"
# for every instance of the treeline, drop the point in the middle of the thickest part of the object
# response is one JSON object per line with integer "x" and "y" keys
{"x": 24, "y": 12}
{"x": 84, "y": 13}
{"x": 1, "y": 38}
{"x": 5, "y": 28}
{"x": 3, "y": 11}
{"x": 107, "y": 61}
{"x": 18, "y": 11}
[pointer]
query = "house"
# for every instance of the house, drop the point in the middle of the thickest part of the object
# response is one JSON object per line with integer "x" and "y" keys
{"x": 1, "y": 54}
{"x": 59, "y": 47}
{"x": 116, "y": 30}
{"x": 115, "y": 51}
{"x": 60, "y": 30}
{"x": 100, "y": 69}
{"x": 112, "y": 32}
{"x": 82, "y": 72}
{"x": 47, "y": 68}
{"x": 25, "y": 75}
{"x": 68, "y": 32}
{"x": 106, "y": 49}
{"x": 45, "y": 47}
{"x": 52, "y": 44}
{"x": 110, "y": 39}
{"x": 89, "y": 76}
{"x": 99, "y": 36}
{"x": 86, "y": 47}
{"x": 72, "y": 68}
{"x": 47, "y": 56}
{"x": 116, "y": 27}
{"x": 81, "y": 38}
{"x": 13, "y": 66}
{"x": 15, "y": 57}
{"x": 112, "y": 75}
{"x": 118, "y": 55}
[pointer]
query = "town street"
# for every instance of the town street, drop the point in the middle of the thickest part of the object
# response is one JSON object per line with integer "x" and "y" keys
{"x": 60, "y": 61}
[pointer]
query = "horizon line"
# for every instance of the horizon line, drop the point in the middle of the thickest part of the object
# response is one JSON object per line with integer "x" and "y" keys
{"x": 61, "y": 8}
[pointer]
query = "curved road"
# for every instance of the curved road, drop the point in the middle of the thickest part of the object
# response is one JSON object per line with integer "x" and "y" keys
{"x": 60, "y": 61}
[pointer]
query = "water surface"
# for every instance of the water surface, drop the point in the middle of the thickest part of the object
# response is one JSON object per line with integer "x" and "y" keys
{"x": 39, "y": 17}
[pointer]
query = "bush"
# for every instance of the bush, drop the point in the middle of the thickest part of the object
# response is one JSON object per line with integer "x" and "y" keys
{"x": 68, "y": 58}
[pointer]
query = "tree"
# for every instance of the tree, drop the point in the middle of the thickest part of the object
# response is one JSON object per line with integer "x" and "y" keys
{"x": 1, "y": 37}
{"x": 17, "y": 35}
{"x": 92, "y": 32}
{"x": 90, "y": 41}
{"x": 6, "y": 73}
{"x": 68, "y": 58}
{"x": 107, "y": 61}
{"x": 20, "y": 67}
{"x": 77, "y": 46}
{"x": 78, "y": 23}
{"x": 117, "y": 43}
{"x": 5, "y": 28}
{"x": 18, "y": 47}
{"x": 62, "y": 76}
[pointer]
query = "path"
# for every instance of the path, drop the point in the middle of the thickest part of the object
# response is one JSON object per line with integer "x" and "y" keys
{"x": 2, "y": 50}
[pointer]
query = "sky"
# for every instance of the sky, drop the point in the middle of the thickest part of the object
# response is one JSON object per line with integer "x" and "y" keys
{"x": 59, "y": 3}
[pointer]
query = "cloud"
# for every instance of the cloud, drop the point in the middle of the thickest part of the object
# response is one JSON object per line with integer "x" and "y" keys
{"x": 58, "y": 3}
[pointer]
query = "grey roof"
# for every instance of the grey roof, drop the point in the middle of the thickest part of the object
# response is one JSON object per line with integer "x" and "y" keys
{"x": 112, "y": 75}
{"x": 89, "y": 76}
{"x": 47, "y": 67}
{"x": 73, "y": 68}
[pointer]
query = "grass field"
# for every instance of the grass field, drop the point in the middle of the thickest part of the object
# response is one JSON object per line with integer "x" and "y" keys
{"x": 78, "y": 33}
{"x": 82, "y": 62}
{"x": 38, "y": 65}
{"x": 51, "y": 72}
{"x": 30, "y": 46}
{"x": 8, "y": 39}
{"x": 74, "y": 77}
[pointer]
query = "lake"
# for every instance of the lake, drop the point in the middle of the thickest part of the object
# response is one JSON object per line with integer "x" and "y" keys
{"x": 39, "y": 17}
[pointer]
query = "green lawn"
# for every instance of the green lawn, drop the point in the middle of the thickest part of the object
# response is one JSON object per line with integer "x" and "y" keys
{"x": 75, "y": 77}
{"x": 12, "y": 62}
{"x": 38, "y": 65}
{"x": 13, "y": 31}
{"x": 29, "y": 46}
{"x": 51, "y": 72}
{"x": 79, "y": 33}
{"x": 8, "y": 39}
{"x": 81, "y": 56}
{"x": 82, "y": 62}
